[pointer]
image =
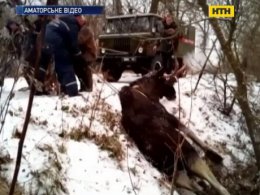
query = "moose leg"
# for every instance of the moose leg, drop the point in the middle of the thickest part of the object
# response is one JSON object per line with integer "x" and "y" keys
{"x": 211, "y": 154}
{"x": 199, "y": 167}
{"x": 183, "y": 181}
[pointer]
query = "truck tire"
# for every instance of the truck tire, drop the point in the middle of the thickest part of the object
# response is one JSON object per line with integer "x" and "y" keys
{"x": 112, "y": 75}
{"x": 141, "y": 71}
{"x": 157, "y": 63}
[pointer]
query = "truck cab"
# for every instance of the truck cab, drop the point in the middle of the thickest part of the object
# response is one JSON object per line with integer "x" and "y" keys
{"x": 129, "y": 42}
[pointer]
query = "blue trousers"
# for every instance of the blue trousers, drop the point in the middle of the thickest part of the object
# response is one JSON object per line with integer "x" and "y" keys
{"x": 55, "y": 45}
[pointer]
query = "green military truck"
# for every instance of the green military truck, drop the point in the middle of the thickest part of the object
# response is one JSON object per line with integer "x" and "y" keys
{"x": 131, "y": 42}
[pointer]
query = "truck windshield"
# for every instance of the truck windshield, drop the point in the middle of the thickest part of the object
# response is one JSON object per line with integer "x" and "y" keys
{"x": 128, "y": 25}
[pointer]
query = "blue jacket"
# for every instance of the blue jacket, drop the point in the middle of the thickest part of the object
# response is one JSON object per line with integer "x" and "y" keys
{"x": 68, "y": 28}
{"x": 73, "y": 34}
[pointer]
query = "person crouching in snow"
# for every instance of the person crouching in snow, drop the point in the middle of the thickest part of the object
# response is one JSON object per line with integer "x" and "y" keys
{"x": 61, "y": 41}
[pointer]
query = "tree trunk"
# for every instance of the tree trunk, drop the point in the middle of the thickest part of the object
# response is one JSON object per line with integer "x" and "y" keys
{"x": 241, "y": 91}
{"x": 117, "y": 6}
{"x": 52, "y": 2}
{"x": 77, "y": 2}
{"x": 154, "y": 6}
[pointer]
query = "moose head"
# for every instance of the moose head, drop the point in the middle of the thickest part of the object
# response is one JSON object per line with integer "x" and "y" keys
{"x": 157, "y": 84}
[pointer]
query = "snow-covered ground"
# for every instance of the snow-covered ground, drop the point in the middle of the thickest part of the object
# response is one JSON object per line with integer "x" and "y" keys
{"x": 76, "y": 146}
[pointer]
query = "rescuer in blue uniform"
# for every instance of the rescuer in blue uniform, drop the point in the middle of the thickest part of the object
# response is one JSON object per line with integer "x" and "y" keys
{"x": 61, "y": 40}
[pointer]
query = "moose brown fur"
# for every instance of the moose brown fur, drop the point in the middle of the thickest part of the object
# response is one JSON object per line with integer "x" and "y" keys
{"x": 88, "y": 47}
{"x": 87, "y": 43}
{"x": 160, "y": 136}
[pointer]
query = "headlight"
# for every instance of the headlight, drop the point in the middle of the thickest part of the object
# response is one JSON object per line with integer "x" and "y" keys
{"x": 108, "y": 30}
{"x": 140, "y": 50}
{"x": 103, "y": 50}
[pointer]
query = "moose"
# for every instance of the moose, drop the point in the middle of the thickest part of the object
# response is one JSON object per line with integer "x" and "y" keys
{"x": 161, "y": 137}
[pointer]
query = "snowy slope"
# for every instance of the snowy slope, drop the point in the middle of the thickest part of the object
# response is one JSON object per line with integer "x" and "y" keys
{"x": 76, "y": 146}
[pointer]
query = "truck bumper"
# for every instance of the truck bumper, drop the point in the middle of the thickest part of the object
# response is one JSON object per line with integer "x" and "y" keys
{"x": 125, "y": 60}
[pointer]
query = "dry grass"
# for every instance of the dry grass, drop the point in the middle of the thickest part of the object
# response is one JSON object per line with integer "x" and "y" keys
{"x": 106, "y": 142}
{"x": 4, "y": 188}
{"x": 62, "y": 148}
{"x": 38, "y": 121}
{"x": 111, "y": 144}
{"x": 109, "y": 118}
{"x": 102, "y": 112}
{"x": 4, "y": 158}
{"x": 49, "y": 180}
{"x": 16, "y": 134}
{"x": 65, "y": 108}
{"x": 78, "y": 134}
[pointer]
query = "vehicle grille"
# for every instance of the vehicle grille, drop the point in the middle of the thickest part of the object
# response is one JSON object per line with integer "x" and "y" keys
{"x": 122, "y": 44}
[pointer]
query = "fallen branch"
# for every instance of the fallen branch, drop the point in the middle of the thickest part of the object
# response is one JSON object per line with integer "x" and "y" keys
{"x": 29, "y": 106}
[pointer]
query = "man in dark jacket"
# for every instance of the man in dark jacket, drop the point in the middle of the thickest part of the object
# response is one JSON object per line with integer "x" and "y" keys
{"x": 61, "y": 40}
{"x": 169, "y": 46}
{"x": 15, "y": 31}
{"x": 14, "y": 49}
{"x": 88, "y": 48}
{"x": 29, "y": 50}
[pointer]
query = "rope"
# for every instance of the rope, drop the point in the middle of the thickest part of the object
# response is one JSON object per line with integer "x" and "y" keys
{"x": 143, "y": 39}
{"x": 161, "y": 38}
{"x": 114, "y": 89}
{"x": 113, "y": 50}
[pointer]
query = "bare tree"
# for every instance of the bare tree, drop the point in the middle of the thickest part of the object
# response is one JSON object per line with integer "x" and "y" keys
{"x": 154, "y": 6}
{"x": 241, "y": 91}
{"x": 250, "y": 41}
{"x": 117, "y": 7}
{"x": 132, "y": 7}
